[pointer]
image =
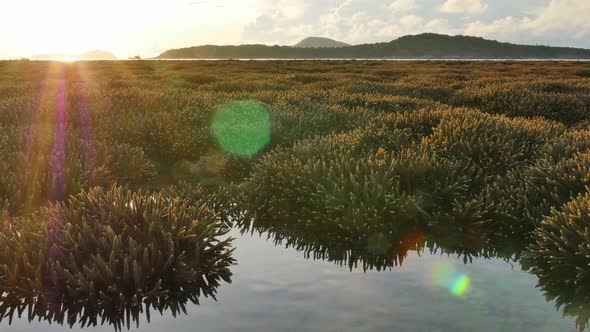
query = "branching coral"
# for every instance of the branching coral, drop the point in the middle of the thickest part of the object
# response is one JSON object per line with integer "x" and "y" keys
{"x": 111, "y": 256}
{"x": 560, "y": 255}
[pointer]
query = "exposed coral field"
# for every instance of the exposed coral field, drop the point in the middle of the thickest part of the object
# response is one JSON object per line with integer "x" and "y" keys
{"x": 123, "y": 183}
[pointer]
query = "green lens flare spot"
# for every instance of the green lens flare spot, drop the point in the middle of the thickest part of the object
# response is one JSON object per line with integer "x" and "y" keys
{"x": 444, "y": 274}
{"x": 242, "y": 127}
{"x": 461, "y": 285}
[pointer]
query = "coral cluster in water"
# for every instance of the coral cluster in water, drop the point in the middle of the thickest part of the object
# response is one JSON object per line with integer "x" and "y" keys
{"x": 112, "y": 255}
{"x": 120, "y": 180}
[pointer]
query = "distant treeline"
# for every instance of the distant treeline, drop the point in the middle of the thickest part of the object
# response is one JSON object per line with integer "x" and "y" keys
{"x": 426, "y": 45}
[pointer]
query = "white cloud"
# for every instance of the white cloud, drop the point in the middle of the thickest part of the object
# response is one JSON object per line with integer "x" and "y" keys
{"x": 551, "y": 22}
{"x": 411, "y": 21}
{"x": 439, "y": 25}
{"x": 559, "y": 19}
{"x": 464, "y": 7}
{"x": 498, "y": 29}
{"x": 403, "y": 5}
{"x": 562, "y": 17}
{"x": 387, "y": 30}
{"x": 285, "y": 9}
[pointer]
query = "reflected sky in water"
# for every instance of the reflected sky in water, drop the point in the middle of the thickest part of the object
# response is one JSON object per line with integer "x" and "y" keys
{"x": 275, "y": 288}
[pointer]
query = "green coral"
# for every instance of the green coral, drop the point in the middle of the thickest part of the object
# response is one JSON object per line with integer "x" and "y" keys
{"x": 111, "y": 256}
{"x": 560, "y": 255}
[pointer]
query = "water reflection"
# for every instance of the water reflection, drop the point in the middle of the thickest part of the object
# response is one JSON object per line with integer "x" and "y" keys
{"x": 380, "y": 252}
{"x": 274, "y": 288}
{"x": 573, "y": 300}
{"x": 86, "y": 314}
{"x": 400, "y": 272}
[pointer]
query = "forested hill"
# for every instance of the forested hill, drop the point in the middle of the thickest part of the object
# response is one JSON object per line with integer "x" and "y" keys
{"x": 319, "y": 42}
{"x": 427, "y": 45}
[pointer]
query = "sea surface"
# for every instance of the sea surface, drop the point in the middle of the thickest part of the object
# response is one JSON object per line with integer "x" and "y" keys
{"x": 331, "y": 59}
{"x": 371, "y": 59}
{"x": 276, "y": 288}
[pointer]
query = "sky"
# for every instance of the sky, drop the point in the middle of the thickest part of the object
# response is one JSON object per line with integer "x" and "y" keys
{"x": 149, "y": 27}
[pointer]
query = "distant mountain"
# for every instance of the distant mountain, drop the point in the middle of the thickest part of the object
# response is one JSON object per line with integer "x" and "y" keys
{"x": 97, "y": 55}
{"x": 319, "y": 42}
{"x": 90, "y": 55}
{"x": 422, "y": 46}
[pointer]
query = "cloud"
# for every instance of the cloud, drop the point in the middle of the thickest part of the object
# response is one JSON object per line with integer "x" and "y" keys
{"x": 504, "y": 28}
{"x": 552, "y": 22}
{"x": 439, "y": 25}
{"x": 351, "y": 21}
{"x": 562, "y": 17}
{"x": 403, "y": 5}
{"x": 286, "y": 9}
{"x": 558, "y": 21}
{"x": 464, "y": 7}
{"x": 404, "y": 25}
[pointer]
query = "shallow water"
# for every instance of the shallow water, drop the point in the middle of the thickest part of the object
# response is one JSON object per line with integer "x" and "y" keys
{"x": 278, "y": 288}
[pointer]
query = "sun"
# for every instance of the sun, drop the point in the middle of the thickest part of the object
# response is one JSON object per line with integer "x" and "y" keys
{"x": 71, "y": 27}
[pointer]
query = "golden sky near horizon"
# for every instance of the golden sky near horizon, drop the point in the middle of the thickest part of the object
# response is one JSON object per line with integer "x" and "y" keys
{"x": 149, "y": 27}
{"x": 124, "y": 27}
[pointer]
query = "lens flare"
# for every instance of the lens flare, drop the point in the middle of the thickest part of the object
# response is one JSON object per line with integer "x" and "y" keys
{"x": 460, "y": 285}
{"x": 58, "y": 157}
{"x": 445, "y": 275}
{"x": 242, "y": 127}
{"x": 442, "y": 273}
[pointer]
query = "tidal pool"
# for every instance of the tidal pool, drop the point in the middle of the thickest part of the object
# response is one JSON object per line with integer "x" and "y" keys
{"x": 279, "y": 289}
